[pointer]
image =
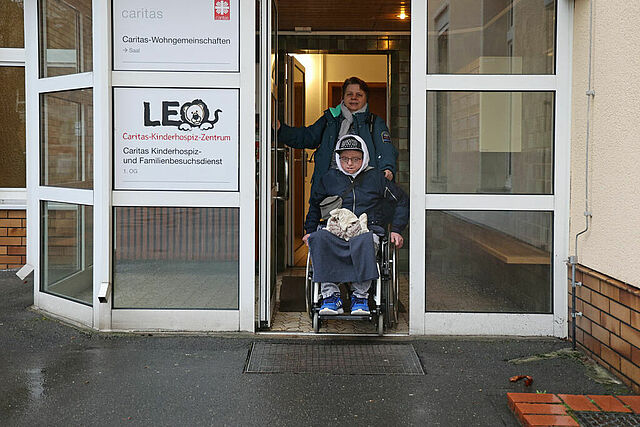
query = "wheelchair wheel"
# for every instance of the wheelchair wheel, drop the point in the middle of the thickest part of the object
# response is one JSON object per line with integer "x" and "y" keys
{"x": 316, "y": 323}
{"x": 393, "y": 270}
{"x": 308, "y": 284}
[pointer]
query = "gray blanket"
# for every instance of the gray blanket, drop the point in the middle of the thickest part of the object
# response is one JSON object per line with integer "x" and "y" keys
{"x": 336, "y": 260}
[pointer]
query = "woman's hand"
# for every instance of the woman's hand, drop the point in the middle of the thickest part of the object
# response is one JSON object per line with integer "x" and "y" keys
{"x": 305, "y": 239}
{"x": 388, "y": 174}
{"x": 395, "y": 238}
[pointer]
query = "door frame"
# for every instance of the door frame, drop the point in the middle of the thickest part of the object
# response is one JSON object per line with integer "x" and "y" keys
{"x": 422, "y": 322}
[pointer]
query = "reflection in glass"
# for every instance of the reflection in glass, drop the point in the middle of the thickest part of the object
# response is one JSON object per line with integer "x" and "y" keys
{"x": 176, "y": 258}
{"x": 491, "y": 36}
{"x": 67, "y": 251}
{"x": 67, "y": 139}
{"x": 490, "y": 142}
{"x": 12, "y": 23}
{"x": 65, "y": 37}
{"x": 12, "y": 131}
{"x": 489, "y": 261}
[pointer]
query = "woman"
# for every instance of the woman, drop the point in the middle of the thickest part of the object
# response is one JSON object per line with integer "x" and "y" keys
{"x": 351, "y": 116}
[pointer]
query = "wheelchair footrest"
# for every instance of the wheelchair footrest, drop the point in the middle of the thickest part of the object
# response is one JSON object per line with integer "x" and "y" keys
{"x": 348, "y": 316}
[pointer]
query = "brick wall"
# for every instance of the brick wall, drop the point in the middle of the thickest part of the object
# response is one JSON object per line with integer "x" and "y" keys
{"x": 609, "y": 328}
{"x": 13, "y": 239}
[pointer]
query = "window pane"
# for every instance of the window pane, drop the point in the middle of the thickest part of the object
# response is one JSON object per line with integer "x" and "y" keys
{"x": 176, "y": 258}
{"x": 67, "y": 139}
{"x": 11, "y": 23}
{"x": 65, "y": 37}
{"x": 491, "y": 36}
{"x": 13, "y": 161}
{"x": 67, "y": 251}
{"x": 490, "y": 142}
{"x": 489, "y": 261}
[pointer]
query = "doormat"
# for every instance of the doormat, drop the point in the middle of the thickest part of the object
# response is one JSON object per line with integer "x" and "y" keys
{"x": 292, "y": 294}
{"x": 334, "y": 359}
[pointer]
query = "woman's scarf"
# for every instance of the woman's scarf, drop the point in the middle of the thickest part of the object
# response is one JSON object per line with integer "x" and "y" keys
{"x": 347, "y": 120}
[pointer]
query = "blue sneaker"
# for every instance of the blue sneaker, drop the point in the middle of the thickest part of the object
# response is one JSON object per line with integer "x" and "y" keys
{"x": 359, "y": 306}
{"x": 332, "y": 305}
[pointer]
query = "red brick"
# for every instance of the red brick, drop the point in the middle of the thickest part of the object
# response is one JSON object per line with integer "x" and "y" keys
{"x": 6, "y": 259}
{"x": 631, "y": 401}
{"x": 630, "y": 334}
{"x": 610, "y": 356}
{"x": 608, "y": 403}
{"x": 12, "y": 266}
{"x": 592, "y": 344}
{"x": 635, "y": 319}
{"x": 4, "y": 214}
{"x": 620, "y": 312}
{"x": 630, "y": 300}
{"x": 610, "y": 323}
{"x": 600, "y": 301}
{"x": 3, "y": 250}
{"x": 17, "y": 214}
{"x": 11, "y": 241}
{"x": 584, "y": 324}
{"x": 635, "y": 355}
{"x": 590, "y": 312}
{"x": 609, "y": 290}
{"x": 3, "y": 266}
{"x": 600, "y": 333}
{"x": 591, "y": 282}
{"x": 630, "y": 370}
{"x": 532, "y": 398}
{"x": 24, "y": 223}
{"x": 4, "y": 231}
{"x": 578, "y": 402}
{"x": 17, "y": 232}
{"x": 584, "y": 293}
{"x": 16, "y": 250}
{"x": 539, "y": 408}
{"x": 548, "y": 420}
{"x": 10, "y": 223}
{"x": 621, "y": 346}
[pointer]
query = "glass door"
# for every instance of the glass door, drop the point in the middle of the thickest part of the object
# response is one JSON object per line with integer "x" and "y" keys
{"x": 492, "y": 87}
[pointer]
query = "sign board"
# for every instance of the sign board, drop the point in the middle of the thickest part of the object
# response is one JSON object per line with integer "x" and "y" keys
{"x": 176, "y": 139}
{"x": 169, "y": 35}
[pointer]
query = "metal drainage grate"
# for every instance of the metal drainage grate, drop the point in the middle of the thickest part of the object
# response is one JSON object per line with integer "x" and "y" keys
{"x": 335, "y": 359}
{"x": 606, "y": 419}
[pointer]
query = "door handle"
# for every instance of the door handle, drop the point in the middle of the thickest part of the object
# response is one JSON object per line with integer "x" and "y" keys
{"x": 285, "y": 185}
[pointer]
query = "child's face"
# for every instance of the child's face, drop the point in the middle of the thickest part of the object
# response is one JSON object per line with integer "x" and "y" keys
{"x": 351, "y": 160}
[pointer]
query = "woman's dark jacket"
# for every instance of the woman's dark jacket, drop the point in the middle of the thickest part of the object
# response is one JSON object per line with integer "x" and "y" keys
{"x": 372, "y": 193}
{"x": 323, "y": 135}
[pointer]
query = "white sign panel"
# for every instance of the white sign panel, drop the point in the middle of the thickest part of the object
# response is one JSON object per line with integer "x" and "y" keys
{"x": 170, "y": 35}
{"x": 176, "y": 139}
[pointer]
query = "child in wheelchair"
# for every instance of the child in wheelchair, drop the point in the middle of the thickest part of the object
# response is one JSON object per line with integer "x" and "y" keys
{"x": 356, "y": 186}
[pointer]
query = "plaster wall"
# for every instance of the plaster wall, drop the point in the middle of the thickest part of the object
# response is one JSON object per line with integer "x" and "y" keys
{"x": 612, "y": 244}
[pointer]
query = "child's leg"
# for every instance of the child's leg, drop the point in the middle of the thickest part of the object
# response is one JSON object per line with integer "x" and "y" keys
{"x": 328, "y": 289}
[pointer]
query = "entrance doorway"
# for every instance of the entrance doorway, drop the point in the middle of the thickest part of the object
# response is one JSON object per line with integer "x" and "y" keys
{"x": 310, "y": 68}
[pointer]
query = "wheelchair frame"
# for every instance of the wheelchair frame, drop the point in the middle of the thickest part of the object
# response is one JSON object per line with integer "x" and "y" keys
{"x": 385, "y": 313}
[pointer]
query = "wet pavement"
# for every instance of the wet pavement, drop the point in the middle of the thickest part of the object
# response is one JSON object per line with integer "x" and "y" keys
{"x": 54, "y": 374}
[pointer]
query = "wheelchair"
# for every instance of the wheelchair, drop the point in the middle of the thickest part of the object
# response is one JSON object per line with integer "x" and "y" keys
{"x": 384, "y": 311}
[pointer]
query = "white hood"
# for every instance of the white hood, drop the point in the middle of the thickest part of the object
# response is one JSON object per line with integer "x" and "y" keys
{"x": 365, "y": 156}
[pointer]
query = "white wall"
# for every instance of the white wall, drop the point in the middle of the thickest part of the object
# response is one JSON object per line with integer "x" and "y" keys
{"x": 612, "y": 244}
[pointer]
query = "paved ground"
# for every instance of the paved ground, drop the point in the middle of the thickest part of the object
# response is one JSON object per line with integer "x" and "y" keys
{"x": 53, "y": 374}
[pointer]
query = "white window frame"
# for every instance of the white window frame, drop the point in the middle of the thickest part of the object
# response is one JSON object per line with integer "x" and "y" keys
{"x": 422, "y": 322}
{"x": 13, "y": 198}
{"x": 102, "y": 79}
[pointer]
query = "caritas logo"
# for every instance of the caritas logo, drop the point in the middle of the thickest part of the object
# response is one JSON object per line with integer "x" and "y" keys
{"x": 221, "y": 10}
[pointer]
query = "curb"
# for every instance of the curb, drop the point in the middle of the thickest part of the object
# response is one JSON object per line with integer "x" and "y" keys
{"x": 544, "y": 409}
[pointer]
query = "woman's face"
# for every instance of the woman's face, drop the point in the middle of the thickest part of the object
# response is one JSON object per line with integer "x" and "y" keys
{"x": 354, "y": 97}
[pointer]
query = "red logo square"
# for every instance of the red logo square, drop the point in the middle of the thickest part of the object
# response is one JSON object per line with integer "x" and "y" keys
{"x": 221, "y": 10}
